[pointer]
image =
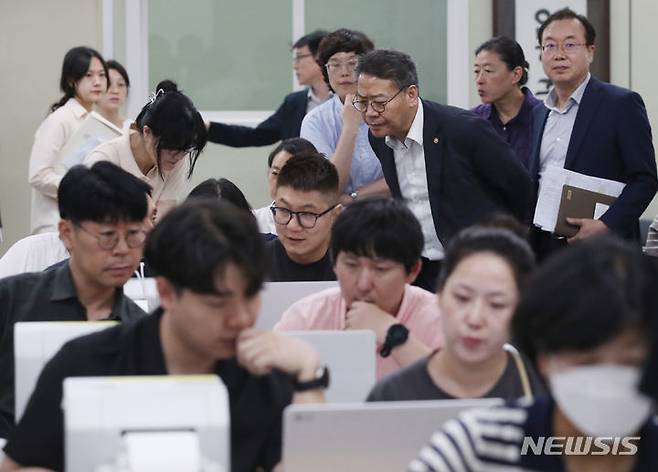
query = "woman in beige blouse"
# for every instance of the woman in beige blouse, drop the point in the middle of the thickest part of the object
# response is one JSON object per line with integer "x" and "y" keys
{"x": 167, "y": 129}
{"x": 84, "y": 82}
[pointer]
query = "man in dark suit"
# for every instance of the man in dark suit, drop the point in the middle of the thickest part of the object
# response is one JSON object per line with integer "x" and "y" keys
{"x": 592, "y": 128}
{"x": 450, "y": 166}
{"x": 287, "y": 119}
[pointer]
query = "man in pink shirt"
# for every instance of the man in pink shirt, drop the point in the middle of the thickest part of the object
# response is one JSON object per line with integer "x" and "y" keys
{"x": 375, "y": 248}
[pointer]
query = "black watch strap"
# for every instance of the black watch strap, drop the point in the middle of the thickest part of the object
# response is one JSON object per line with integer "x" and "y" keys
{"x": 396, "y": 335}
{"x": 321, "y": 380}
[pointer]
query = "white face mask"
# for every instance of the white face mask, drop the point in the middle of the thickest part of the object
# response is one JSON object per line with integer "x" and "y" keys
{"x": 601, "y": 400}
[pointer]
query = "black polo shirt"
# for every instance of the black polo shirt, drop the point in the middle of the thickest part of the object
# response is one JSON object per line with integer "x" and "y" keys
{"x": 284, "y": 269}
{"x": 256, "y": 403}
{"x": 41, "y": 296}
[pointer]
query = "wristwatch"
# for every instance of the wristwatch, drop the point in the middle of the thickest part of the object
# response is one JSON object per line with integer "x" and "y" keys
{"x": 320, "y": 380}
{"x": 396, "y": 335}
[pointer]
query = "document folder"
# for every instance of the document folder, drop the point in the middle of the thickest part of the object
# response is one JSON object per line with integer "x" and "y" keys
{"x": 579, "y": 203}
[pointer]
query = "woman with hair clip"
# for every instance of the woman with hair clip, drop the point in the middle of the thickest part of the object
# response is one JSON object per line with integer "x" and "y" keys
{"x": 117, "y": 91}
{"x": 483, "y": 273}
{"x": 84, "y": 82}
{"x": 167, "y": 129}
{"x": 501, "y": 72}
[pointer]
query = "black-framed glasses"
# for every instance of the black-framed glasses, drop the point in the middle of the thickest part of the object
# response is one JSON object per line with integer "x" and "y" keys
{"x": 361, "y": 105}
{"x": 305, "y": 219}
{"x": 109, "y": 239}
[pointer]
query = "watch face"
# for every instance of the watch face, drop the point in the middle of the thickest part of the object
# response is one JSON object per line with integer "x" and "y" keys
{"x": 398, "y": 334}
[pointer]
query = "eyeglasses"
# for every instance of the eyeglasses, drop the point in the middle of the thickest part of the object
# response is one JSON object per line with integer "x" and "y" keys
{"x": 109, "y": 239}
{"x": 568, "y": 47}
{"x": 299, "y": 57}
{"x": 335, "y": 66}
{"x": 377, "y": 106}
{"x": 305, "y": 219}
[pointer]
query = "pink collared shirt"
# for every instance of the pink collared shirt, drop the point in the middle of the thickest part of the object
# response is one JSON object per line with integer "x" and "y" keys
{"x": 325, "y": 310}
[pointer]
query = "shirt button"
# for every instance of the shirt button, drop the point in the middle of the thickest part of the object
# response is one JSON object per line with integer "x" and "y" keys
{"x": 558, "y": 140}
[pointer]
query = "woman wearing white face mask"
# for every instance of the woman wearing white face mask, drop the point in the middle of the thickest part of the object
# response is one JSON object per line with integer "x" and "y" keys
{"x": 584, "y": 320}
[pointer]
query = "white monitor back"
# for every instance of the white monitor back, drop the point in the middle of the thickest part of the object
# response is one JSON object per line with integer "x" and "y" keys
{"x": 382, "y": 436}
{"x": 114, "y": 420}
{"x": 143, "y": 292}
{"x": 278, "y": 296}
{"x": 350, "y": 356}
{"x": 35, "y": 343}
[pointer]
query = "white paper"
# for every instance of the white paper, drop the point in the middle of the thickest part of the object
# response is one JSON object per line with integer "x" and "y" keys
{"x": 600, "y": 209}
{"x": 94, "y": 130}
{"x": 550, "y": 193}
{"x": 159, "y": 451}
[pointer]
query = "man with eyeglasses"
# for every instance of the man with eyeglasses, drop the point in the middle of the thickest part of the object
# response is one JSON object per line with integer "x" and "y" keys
{"x": 449, "y": 166}
{"x": 304, "y": 208}
{"x": 102, "y": 212}
{"x": 592, "y": 128}
{"x": 335, "y": 128}
{"x": 287, "y": 119}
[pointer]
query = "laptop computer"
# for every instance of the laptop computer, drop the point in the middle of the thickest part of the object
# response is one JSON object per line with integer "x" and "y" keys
{"x": 381, "y": 436}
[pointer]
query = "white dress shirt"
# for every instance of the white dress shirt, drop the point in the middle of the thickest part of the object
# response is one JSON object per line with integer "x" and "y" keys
{"x": 33, "y": 254}
{"x": 46, "y": 168}
{"x": 412, "y": 178}
{"x": 558, "y": 128}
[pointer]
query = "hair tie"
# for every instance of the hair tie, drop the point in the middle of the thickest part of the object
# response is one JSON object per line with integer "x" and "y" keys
{"x": 155, "y": 95}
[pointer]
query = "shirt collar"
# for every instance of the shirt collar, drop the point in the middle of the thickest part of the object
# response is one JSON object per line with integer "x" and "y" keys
{"x": 78, "y": 110}
{"x": 415, "y": 133}
{"x": 551, "y": 99}
{"x": 63, "y": 287}
{"x": 311, "y": 97}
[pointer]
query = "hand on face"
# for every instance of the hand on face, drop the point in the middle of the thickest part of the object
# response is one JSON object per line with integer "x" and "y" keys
{"x": 352, "y": 118}
{"x": 261, "y": 351}
{"x": 366, "y": 315}
{"x": 587, "y": 228}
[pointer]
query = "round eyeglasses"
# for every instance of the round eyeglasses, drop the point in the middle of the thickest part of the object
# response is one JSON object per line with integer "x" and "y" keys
{"x": 361, "y": 104}
{"x": 109, "y": 239}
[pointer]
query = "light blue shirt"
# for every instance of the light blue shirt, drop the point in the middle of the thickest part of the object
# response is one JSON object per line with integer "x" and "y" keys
{"x": 558, "y": 128}
{"x": 323, "y": 125}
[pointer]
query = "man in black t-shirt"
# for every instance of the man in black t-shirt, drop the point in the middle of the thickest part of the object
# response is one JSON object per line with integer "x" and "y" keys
{"x": 305, "y": 207}
{"x": 208, "y": 258}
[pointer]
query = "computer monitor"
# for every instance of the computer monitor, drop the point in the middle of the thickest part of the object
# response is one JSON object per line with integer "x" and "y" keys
{"x": 381, "y": 436}
{"x": 179, "y": 423}
{"x": 278, "y": 296}
{"x": 35, "y": 343}
{"x": 143, "y": 292}
{"x": 350, "y": 356}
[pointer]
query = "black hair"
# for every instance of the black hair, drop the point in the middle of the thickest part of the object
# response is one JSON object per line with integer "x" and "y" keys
{"x": 112, "y": 64}
{"x": 194, "y": 243}
{"x": 378, "y": 228}
{"x": 103, "y": 193}
{"x": 74, "y": 67}
{"x": 222, "y": 189}
{"x": 174, "y": 121}
{"x": 500, "y": 241}
{"x": 342, "y": 40}
{"x": 312, "y": 40}
{"x": 510, "y": 52}
{"x": 388, "y": 64}
{"x": 584, "y": 296}
{"x": 568, "y": 14}
{"x": 292, "y": 146}
{"x": 308, "y": 173}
